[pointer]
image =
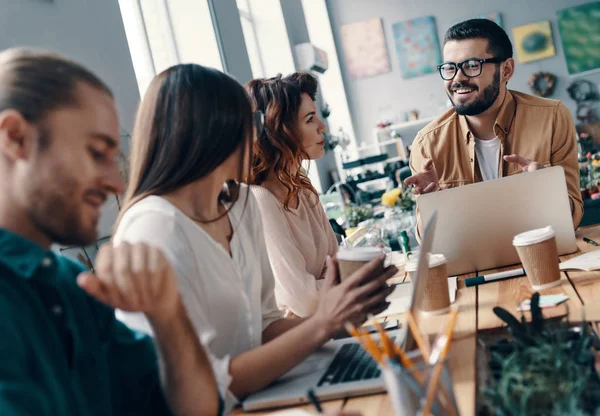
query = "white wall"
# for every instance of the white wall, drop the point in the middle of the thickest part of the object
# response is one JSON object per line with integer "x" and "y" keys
{"x": 368, "y": 97}
{"x": 88, "y": 31}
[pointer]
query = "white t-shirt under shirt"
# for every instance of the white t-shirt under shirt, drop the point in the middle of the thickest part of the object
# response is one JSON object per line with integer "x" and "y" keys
{"x": 229, "y": 299}
{"x": 488, "y": 157}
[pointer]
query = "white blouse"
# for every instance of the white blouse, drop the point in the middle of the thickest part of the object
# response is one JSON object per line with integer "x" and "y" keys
{"x": 230, "y": 299}
{"x": 298, "y": 241}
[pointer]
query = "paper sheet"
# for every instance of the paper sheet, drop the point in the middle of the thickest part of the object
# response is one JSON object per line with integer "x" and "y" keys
{"x": 546, "y": 301}
{"x": 401, "y": 296}
{"x": 587, "y": 261}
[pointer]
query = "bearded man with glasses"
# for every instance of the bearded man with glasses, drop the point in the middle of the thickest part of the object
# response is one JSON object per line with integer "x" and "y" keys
{"x": 491, "y": 131}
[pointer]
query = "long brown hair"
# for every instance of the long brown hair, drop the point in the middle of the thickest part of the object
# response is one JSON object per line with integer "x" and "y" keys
{"x": 191, "y": 119}
{"x": 278, "y": 147}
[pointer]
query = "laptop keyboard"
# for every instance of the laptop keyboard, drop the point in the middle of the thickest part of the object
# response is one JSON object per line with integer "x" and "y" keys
{"x": 351, "y": 363}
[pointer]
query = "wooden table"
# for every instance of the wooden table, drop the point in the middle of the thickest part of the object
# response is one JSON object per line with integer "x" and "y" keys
{"x": 476, "y": 304}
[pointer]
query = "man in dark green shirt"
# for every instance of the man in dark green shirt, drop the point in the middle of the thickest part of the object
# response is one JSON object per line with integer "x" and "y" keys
{"x": 62, "y": 352}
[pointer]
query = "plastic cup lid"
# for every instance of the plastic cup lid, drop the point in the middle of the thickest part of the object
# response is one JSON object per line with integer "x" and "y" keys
{"x": 358, "y": 253}
{"x": 534, "y": 236}
{"x": 434, "y": 261}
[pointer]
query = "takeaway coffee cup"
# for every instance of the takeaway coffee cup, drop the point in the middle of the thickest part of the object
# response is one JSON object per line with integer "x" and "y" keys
{"x": 350, "y": 259}
{"x": 436, "y": 299}
{"x": 539, "y": 255}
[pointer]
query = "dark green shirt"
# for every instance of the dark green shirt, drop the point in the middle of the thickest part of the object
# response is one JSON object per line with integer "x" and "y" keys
{"x": 61, "y": 351}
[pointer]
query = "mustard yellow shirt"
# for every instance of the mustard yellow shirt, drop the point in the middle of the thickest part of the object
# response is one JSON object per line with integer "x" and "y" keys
{"x": 535, "y": 128}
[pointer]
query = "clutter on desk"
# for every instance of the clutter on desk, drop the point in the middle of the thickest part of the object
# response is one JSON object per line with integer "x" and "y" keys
{"x": 401, "y": 296}
{"x": 416, "y": 380}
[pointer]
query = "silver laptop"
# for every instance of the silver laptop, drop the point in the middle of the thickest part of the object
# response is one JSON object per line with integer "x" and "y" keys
{"x": 341, "y": 368}
{"x": 478, "y": 222}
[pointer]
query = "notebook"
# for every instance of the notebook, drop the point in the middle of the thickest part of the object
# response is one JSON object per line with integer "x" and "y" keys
{"x": 586, "y": 262}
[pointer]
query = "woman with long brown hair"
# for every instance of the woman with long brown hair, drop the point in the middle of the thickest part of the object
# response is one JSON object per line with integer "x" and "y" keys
{"x": 297, "y": 232}
{"x": 190, "y": 151}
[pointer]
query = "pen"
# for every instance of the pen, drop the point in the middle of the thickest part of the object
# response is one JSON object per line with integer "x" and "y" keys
{"x": 590, "y": 241}
{"x": 313, "y": 399}
{"x": 479, "y": 280}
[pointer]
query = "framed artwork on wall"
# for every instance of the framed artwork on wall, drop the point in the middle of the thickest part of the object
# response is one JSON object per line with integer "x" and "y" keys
{"x": 417, "y": 46}
{"x": 534, "y": 41}
{"x": 365, "y": 49}
{"x": 579, "y": 29}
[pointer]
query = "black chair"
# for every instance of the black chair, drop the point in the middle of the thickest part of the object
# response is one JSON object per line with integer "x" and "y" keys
{"x": 338, "y": 229}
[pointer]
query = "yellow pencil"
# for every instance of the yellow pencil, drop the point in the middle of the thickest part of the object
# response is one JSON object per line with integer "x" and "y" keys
{"x": 366, "y": 341}
{"x": 404, "y": 360}
{"x": 372, "y": 348}
{"x": 437, "y": 370}
{"x": 414, "y": 328}
{"x": 351, "y": 329}
{"x": 386, "y": 342}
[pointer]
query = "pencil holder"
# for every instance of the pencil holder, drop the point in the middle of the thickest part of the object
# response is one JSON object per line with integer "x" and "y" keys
{"x": 407, "y": 387}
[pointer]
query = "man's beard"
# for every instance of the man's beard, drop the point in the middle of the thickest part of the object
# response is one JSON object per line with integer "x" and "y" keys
{"x": 55, "y": 210}
{"x": 481, "y": 104}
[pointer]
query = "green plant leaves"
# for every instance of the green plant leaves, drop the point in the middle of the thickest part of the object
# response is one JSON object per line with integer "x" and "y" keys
{"x": 546, "y": 367}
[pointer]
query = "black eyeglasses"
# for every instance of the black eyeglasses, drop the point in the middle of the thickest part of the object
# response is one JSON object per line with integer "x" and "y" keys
{"x": 471, "y": 67}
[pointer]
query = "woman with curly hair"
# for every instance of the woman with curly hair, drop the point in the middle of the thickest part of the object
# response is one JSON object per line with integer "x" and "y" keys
{"x": 297, "y": 232}
{"x": 190, "y": 149}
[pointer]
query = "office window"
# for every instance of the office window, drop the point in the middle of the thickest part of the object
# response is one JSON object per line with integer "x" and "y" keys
{"x": 163, "y": 33}
{"x": 250, "y": 39}
{"x": 266, "y": 37}
{"x": 331, "y": 82}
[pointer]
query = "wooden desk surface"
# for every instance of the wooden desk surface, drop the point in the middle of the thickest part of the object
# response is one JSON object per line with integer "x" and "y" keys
{"x": 476, "y": 304}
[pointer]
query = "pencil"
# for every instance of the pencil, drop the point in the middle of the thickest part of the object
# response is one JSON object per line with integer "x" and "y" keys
{"x": 366, "y": 341}
{"x": 437, "y": 370}
{"x": 351, "y": 329}
{"x": 404, "y": 360}
{"x": 372, "y": 347}
{"x": 412, "y": 323}
{"x": 386, "y": 342}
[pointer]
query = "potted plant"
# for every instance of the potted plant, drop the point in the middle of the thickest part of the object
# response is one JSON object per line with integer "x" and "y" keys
{"x": 545, "y": 367}
{"x": 397, "y": 198}
{"x": 356, "y": 214}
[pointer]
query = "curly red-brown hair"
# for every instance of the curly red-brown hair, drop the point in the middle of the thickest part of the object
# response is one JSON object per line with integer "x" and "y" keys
{"x": 277, "y": 146}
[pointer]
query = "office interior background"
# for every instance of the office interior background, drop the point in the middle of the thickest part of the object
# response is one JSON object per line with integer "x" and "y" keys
{"x": 376, "y": 101}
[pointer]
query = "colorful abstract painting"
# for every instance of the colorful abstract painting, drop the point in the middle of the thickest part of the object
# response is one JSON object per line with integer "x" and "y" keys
{"x": 364, "y": 48}
{"x": 534, "y": 41}
{"x": 579, "y": 29}
{"x": 417, "y": 46}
